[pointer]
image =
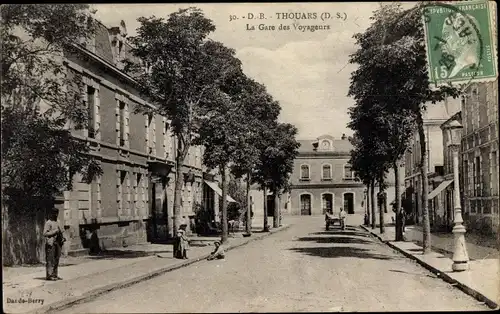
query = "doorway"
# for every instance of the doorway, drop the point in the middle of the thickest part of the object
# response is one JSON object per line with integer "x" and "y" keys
{"x": 349, "y": 202}
{"x": 327, "y": 202}
{"x": 305, "y": 204}
{"x": 158, "y": 211}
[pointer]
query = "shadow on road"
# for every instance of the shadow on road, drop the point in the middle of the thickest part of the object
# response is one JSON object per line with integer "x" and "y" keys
{"x": 335, "y": 239}
{"x": 343, "y": 233}
{"x": 333, "y": 252}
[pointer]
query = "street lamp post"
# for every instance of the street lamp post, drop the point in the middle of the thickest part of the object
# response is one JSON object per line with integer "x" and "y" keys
{"x": 460, "y": 255}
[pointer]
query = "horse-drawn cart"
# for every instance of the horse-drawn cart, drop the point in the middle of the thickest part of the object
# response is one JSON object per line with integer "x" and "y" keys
{"x": 331, "y": 220}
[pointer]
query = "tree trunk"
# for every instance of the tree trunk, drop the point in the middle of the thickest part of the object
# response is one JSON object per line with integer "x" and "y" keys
{"x": 276, "y": 214}
{"x": 266, "y": 227}
{"x": 425, "y": 186}
{"x": 399, "y": 218}
{"x": 367, "y": 204}
{"x": 179, "y": 181}
{"x": 372, "y": 195}
{"x": 248, "y": 227}
{"x": 224, "y": 204}
{"x": 381, "y": 209}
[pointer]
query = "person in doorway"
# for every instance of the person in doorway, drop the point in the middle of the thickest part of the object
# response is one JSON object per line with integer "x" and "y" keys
{"x": 218, "y": 253}
{"x": 53, "y": 244}
{"x": 342, "y": 216}
{"x": 182, "y": 245}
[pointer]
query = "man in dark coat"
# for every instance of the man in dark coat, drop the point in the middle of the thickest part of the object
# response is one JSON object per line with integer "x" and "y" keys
{"x": 53, "y": 244}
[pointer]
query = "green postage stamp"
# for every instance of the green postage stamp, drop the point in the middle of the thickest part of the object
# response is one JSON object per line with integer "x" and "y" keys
{"x": 460, "y": 42}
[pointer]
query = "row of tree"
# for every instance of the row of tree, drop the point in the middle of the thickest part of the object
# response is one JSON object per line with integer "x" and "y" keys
{"x": 391, "y": 90}
{"x": 197, "y": 83}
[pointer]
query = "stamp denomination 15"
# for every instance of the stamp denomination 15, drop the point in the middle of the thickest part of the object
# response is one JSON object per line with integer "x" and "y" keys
{"x": 459, "y": 42}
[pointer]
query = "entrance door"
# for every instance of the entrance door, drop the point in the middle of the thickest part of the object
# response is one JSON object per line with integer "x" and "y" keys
{"x": 327, "y": 201}
{"x": 158, "y": 213}
{"x": 305, "y": 204}
{"x": 349, "y": 203}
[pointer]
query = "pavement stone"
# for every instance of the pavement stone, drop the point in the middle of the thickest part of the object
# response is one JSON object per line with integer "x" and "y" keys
{"x": 91, "y": 278}
{"x": 480, "y": 281}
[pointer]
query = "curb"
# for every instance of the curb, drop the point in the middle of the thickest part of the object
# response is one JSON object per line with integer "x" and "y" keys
{"x": 60, "y": 305}
{"x": 440, "y": 274}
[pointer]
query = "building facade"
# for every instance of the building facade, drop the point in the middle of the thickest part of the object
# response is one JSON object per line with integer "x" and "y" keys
{"x": 441, "y": 197}
{"x": 132, "y": 201}
{"x": 322, "y": 178}
{"x": 480, "y": 155}
{"x": 434, "y": 117}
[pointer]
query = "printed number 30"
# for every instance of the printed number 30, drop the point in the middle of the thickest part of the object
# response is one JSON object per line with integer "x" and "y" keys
{"x": 443, "y": 73}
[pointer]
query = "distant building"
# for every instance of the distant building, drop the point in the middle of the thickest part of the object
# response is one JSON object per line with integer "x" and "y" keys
{"x": 480, "y": 157}
{"x": 322, "y": 178}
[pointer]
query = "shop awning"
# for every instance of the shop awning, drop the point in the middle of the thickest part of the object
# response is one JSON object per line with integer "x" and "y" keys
{"x": 440, "y": 188}
{"x": 217, "y": 190}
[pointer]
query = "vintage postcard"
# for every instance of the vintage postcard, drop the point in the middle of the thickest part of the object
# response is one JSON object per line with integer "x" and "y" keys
{"x": 250, "y": 157}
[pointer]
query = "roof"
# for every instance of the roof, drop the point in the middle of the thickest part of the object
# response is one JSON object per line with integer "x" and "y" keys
{"x": 456, "y": 117}
{"x": 103, "y": 38}
{"x": 339, "y": 146}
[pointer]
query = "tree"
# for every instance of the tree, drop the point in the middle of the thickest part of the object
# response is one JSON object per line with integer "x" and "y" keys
{"x": 393, "y": 70}
{"x": 223, "y": 124}
{"x": 40, "y": 99}
{"x": 258, "y": 110}
{"x": 391, "y": 129}
{"x": 180, "y": 70}
{"x": 276, "y": 162}
{"x": 367, "y": 160}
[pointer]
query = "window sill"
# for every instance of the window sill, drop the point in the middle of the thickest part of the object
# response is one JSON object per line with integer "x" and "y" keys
{"x": 326, "y": 179}
{"x": 304, "y": 179}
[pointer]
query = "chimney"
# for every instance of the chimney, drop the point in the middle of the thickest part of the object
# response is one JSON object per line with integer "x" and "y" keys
{"x": 343, "y": 136}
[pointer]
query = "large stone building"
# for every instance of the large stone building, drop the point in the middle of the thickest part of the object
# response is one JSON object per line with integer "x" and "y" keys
{"x": 479, "y": 152}
{"x": 322, "y": 178}
{"x": 132, "y": 202}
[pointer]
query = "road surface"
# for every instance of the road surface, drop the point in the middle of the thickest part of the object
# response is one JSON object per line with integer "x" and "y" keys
{"x": 303, "y": 268}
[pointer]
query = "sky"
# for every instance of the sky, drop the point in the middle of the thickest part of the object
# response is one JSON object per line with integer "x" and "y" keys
{"x": 307, "y": 72}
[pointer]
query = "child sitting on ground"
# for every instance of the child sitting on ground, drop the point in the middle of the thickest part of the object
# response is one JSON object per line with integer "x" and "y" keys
{"x": 218, "y": 253}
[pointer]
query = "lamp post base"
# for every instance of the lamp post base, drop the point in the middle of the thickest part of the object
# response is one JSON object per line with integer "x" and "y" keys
{"x": 460, "y": 255}
{"x": 460, "y": 266}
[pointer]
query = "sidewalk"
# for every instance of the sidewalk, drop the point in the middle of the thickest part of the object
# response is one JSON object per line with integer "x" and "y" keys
{"x": 480, "y": 281}
{"x": 25, "y": 290}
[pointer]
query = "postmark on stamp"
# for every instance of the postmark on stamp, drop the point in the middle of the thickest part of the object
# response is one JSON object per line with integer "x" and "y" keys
{"x": 460, "y": 43}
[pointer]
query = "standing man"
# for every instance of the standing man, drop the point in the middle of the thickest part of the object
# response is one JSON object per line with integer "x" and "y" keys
{"x": 54, "y": 241}
{"x": 342, "y": 216}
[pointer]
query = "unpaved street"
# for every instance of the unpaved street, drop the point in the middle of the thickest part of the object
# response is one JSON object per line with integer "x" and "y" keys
{"x": 303, "y": 268}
